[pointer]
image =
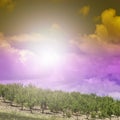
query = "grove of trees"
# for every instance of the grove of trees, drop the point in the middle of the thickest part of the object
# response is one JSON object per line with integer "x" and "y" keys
{"x": 65, "y": 103}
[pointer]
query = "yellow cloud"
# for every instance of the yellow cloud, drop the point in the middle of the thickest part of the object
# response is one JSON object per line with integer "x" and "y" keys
{"x": 7, "y": 4}
{"x": 105, "y": 39}
{"x": 101, "y": 31}
{"x": 84, "y": 10}
{"x": 109, "y": 29}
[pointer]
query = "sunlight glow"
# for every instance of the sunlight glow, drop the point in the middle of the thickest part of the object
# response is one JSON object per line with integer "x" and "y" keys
{"x": 49, "y": 57}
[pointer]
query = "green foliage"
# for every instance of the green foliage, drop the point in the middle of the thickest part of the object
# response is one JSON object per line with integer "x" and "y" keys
{"x": 9, "y": 91}
{"x": 2, "y": 90}
{"x": 21, "y": 97}
{"x": 42, "y": 98}
{"x": 117, "y": 108}
{"x": 60, "y": 102}
{"x": 30, "y": 97}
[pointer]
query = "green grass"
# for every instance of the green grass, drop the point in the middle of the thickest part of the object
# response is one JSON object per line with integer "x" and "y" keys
{"x": 12, "y": 116}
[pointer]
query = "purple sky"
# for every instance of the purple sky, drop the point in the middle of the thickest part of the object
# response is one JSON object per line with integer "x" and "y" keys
{"x": 96, "y": 70}
{"x": 89, "y": 63}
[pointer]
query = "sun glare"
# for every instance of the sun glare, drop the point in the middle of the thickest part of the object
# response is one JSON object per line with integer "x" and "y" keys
{"x": 49, "y": 57}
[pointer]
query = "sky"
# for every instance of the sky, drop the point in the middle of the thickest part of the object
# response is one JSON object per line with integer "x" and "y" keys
{"x": 70, "y": 45}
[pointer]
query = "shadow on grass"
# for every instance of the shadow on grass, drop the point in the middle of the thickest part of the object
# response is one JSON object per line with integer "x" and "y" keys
{"x": 8, "y": 116}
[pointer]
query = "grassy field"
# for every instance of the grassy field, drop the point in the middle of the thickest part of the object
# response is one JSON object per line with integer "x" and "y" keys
{"x": 17, "y": 116}
{"x": 14, "y": 116}
{"x": 10, "y": 116}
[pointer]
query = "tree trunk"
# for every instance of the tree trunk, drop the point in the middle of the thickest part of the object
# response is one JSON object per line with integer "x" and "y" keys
{"x": 77, "y": 116}
{"x": 4, "y": 99}
{"x": 63, "y": 114}
{"x": 87, "y": 116}
{"x": 118, "y": 117}
{"x": 43, "y": 106}
{"x": 43, "y": 110}
{"x": 11, "y": 103}
{"x": 22, "y": 106}
{"x": 110, "y": 118}
{"x": 31, "y": 110}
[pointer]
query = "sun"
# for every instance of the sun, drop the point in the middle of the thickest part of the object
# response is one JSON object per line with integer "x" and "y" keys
{"x": 49, "y": 57}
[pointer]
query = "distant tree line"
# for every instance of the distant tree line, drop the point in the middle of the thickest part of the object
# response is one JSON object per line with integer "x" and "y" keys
{"x": 68, "y": 104}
